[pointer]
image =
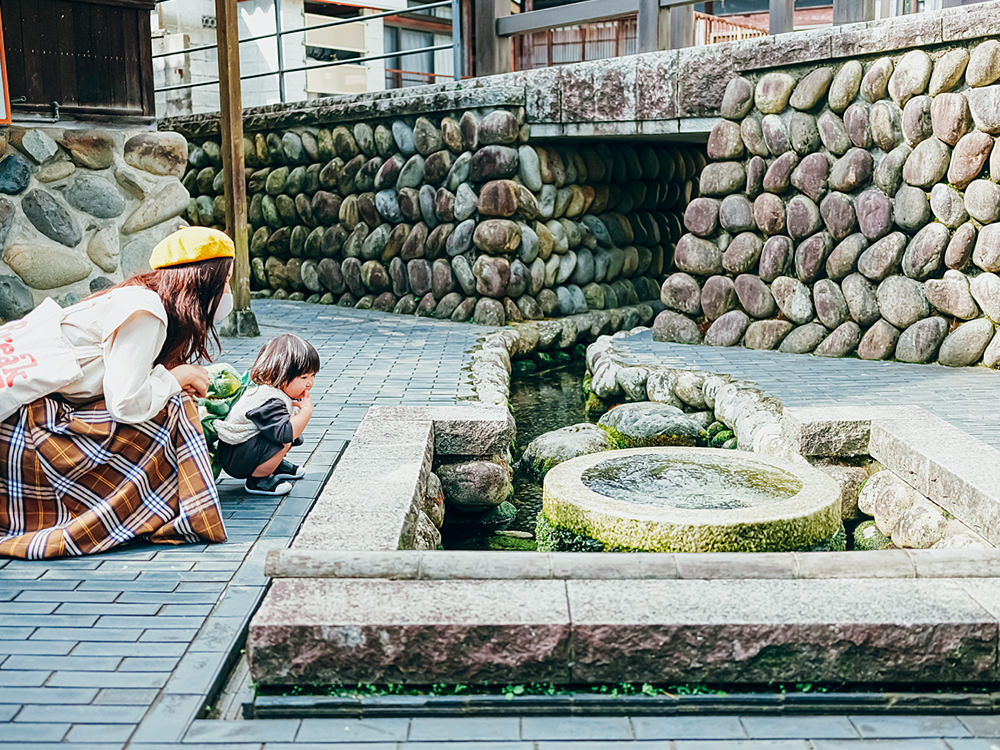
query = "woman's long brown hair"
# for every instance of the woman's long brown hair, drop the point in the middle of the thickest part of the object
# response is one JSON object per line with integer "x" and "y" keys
{"x": 190, "y": 293}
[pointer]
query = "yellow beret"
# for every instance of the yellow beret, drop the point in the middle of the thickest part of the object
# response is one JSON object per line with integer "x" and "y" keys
{"x": 191, "y": 244}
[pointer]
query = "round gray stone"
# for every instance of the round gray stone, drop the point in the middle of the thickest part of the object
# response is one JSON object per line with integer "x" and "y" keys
{"x": 923, "y": 255}
{"x": 901, "y": 301}
{"x": 920, "y": 342}
{"x": 910, "y": 208}
{"x": 874, "y": 211}
{"x": 674, "y": 327}
{"x": 754, "y": 296}
{"x": 831, "y": 306}
{"x": 911, "y": 76}
{"x": 948, "y": 205}
{"x": 965, "y": 345}
{"x": 728, "y": 330}
{"x": 842, "y": 341}
{"x": 917, "y": 125}
{"x": 803, "y": 339}
{"x": 986, "y": 254}
{"x": 844, "y": 256}
{"x": 982, "y": 201}
{"x": 951, "y": 295}
{"x": 968, "y": 158}
{"x": 927, "y": 164}
{"x": 793, "y": 299}
{"x": 766, "y": 334}
{"x": 879, "y": 341}
{"x": 861, "y": 298}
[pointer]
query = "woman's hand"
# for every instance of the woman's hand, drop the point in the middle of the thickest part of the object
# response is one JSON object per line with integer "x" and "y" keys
{"x": 192, "y": 378}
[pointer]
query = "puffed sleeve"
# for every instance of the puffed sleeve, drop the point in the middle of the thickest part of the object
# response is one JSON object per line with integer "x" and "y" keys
{"x": 271, "y": 419}
{"x": 134, "y": 388}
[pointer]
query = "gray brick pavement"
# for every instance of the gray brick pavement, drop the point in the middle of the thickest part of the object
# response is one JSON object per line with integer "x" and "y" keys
{"x": 124, "y": 647}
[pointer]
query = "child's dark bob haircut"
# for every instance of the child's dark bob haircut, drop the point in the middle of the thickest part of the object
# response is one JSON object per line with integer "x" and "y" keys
{"x": 283, "y": 359}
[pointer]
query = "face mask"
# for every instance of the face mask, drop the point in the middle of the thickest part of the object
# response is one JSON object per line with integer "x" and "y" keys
{"x": 225, "y": 307}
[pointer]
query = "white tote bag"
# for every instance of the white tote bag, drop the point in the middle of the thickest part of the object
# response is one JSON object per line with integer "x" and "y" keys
{"x": 35, "y": 360}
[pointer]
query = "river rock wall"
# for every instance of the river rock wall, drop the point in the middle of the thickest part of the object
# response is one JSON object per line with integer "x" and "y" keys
{"x": 459, "y": 216}
{"x": 82, "y": 209}
{"x": 847, "y": 209}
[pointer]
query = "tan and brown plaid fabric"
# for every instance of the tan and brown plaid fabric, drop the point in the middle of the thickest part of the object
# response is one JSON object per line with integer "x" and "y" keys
{"x": 74, "y": 481}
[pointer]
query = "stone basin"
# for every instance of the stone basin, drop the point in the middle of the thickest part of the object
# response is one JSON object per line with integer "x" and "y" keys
{"x": 692, "y": 500}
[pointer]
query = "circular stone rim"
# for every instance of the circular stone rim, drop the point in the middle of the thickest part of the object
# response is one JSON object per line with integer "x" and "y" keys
{"x": 809, "y": 516}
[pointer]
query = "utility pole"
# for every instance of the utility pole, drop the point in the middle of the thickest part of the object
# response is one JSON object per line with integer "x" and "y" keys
{"x": 241, "y": 322}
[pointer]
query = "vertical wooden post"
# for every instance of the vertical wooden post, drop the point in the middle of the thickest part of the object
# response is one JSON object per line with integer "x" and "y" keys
{"x": 781, "y": 16}
{"x": 493, "y": 53}
{"x": 853, "y": 11}
{"x": 242, "y": 321}
{"x": 681, "y": 26}
{"x": 648, "y": 26}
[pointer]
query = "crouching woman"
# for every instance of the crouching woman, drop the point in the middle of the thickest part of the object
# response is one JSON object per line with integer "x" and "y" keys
{"x": 116, "y": 453}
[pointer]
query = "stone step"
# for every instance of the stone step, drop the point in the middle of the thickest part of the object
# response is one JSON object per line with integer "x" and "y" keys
{"x": 345, "y": 631}
{"x": 954, "y": 469}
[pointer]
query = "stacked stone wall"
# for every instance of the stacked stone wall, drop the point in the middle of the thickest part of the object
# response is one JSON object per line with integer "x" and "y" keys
{"x": 459, "y": 216}
{"x": 850, "y": 209}
{"x": 81, "y": 209}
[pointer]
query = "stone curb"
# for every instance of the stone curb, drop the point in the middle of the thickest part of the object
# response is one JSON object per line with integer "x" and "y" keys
{"x": 479, "y": 565}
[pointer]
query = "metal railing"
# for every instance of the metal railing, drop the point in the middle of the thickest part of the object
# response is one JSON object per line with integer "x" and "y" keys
{"x": 279, "y": 33}
{"x": 495, "y": 25}
{"x": 710, "y": 29}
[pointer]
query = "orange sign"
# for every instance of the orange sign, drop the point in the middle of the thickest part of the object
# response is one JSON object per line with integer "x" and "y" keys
{"x": 5, "y": 102}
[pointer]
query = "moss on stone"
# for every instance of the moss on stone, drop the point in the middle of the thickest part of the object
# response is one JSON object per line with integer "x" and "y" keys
{"x": 837, "y": 542}
{"x": 656, "y": 441}
{"x": 867, "y": 537}
{"x": 595, "y": 406}
{"x": 720, "y": 437}
{"x": 502, "y": 542}
{"x": 633, "y": 534}
{"x": 550, "y": 538}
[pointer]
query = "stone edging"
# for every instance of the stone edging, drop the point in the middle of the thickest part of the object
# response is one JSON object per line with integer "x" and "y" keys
{"x": 417, "y": 565}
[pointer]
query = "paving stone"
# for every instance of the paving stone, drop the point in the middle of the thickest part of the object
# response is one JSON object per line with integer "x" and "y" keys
{"x": 909, "y": 726}
{"x": 813, "y": 727}
{"x": 473, "y": 728}
{"x": 687, "y": 727}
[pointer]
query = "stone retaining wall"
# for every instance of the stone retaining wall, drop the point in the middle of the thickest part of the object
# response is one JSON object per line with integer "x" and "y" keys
{"x": 850, "y": 208}
{"x": 82, "y": 209}
{"x": 458, "y": 216}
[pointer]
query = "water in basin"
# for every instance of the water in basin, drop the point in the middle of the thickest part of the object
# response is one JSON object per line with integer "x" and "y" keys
{"x": 677, "y": 482}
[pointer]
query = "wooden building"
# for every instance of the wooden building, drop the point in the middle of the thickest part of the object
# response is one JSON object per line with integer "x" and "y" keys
{"x": 79, "y": 59}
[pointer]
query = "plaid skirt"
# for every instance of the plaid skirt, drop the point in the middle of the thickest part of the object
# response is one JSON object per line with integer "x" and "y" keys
{"x": 74, "y": 481}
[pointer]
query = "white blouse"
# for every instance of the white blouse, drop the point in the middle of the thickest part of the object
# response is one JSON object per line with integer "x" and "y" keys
{"x": 128, "y": 327}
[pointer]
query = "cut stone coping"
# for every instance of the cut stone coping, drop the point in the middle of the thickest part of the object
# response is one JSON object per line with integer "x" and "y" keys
{"x": 956, "y": 471}
{"x": 328, "y": 631}
{"x": 413, "y": 565}
{"x": 372, "y": 499}
{"x": 800, "y": 520}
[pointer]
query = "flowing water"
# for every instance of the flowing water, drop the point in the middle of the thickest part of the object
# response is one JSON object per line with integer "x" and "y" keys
{"x": 542, "y": 403}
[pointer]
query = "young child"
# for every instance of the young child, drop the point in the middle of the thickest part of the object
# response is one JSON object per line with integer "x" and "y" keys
{"x": 270, "y": 416}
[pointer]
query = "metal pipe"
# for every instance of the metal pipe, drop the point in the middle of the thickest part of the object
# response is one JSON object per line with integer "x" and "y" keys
{"x": 281, "y": 50}
{"x": 353, "y": 61}
{"x": 326, "y": 25}
{"x": 456, "y": 39}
